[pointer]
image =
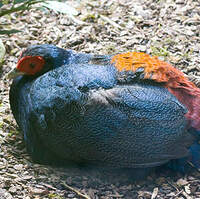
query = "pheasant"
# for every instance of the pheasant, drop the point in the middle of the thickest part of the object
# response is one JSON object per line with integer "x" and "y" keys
{"x": 128, "y": 110}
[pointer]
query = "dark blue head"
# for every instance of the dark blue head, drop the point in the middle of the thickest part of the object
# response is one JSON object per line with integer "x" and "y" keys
{"x": 38, "y": 59}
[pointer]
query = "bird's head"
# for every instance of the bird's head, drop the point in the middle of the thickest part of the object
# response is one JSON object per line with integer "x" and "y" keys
{"x": 38, "y": 59}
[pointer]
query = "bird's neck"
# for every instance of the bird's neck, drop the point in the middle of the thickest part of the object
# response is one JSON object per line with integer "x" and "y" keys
{"x": 62, "y": 57}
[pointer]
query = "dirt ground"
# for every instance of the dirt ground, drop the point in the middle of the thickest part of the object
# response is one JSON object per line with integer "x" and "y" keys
{"x": 166, "y": 28}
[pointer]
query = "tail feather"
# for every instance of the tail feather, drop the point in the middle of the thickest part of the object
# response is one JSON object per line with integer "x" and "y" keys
{"x": 182, "y": 165}
{"x": 195, "y": 155}
{"x": 194, "y": 150}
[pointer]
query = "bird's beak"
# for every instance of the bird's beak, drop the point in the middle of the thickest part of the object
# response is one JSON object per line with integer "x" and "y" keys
{"x": 14, "y": 73}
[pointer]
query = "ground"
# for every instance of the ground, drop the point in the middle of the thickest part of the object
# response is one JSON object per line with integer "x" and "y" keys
{"x": 165, "y": 28}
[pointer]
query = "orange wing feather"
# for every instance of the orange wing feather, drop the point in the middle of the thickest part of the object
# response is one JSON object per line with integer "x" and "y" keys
{"x": 154, "y": 68}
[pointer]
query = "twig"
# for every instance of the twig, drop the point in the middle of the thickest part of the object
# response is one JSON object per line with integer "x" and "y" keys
{"x": 178, "y": 193}
{"x": 11, "y": 175}
{"x": 75, "y": 190}
{"x": 190, "y": 163}
{"x": 111, "y": 22}
{"x": 74, "y": 19}
{"x": 115, "y": 195}
{"x": 173, "y": 185}
{"x": 186, "y": 195}
{"x": 155, "y": 193}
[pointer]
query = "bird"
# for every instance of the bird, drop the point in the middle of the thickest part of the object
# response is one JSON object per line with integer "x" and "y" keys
{"x": 127, "y": 110}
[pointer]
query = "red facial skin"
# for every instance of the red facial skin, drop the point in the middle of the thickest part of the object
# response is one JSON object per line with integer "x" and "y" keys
{"x": 30, "y": 65}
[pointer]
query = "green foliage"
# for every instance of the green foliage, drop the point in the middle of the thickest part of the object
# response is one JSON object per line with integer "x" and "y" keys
{"x": 16, "y": 6}
{"x": 2, "y": 52}
{"x": 19, "y": 1}
{"x": 7, "y": 7}
{"x": 7, "y": 32}
{"x": 1, "y": 125}
{"x": 160, "y": 52}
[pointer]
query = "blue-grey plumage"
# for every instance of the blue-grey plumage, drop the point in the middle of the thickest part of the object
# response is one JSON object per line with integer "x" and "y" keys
{"x": 84, "y": 111}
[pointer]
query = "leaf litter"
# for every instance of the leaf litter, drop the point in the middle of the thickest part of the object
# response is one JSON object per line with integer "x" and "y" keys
{"x": 168, "y": 29}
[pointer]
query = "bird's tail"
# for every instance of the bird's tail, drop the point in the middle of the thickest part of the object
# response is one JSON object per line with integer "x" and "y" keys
{"x": 194, "y": 150}
{"x": 192, "y": 160}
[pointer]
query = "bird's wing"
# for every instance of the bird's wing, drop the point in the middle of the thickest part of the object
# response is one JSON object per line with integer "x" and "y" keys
{"x": 142, "y": 125}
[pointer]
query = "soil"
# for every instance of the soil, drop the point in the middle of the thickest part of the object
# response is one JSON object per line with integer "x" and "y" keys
{"x": 169, "y": 29}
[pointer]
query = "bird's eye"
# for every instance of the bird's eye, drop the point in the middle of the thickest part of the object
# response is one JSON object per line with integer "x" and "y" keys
{"x": 32, "y": 65}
